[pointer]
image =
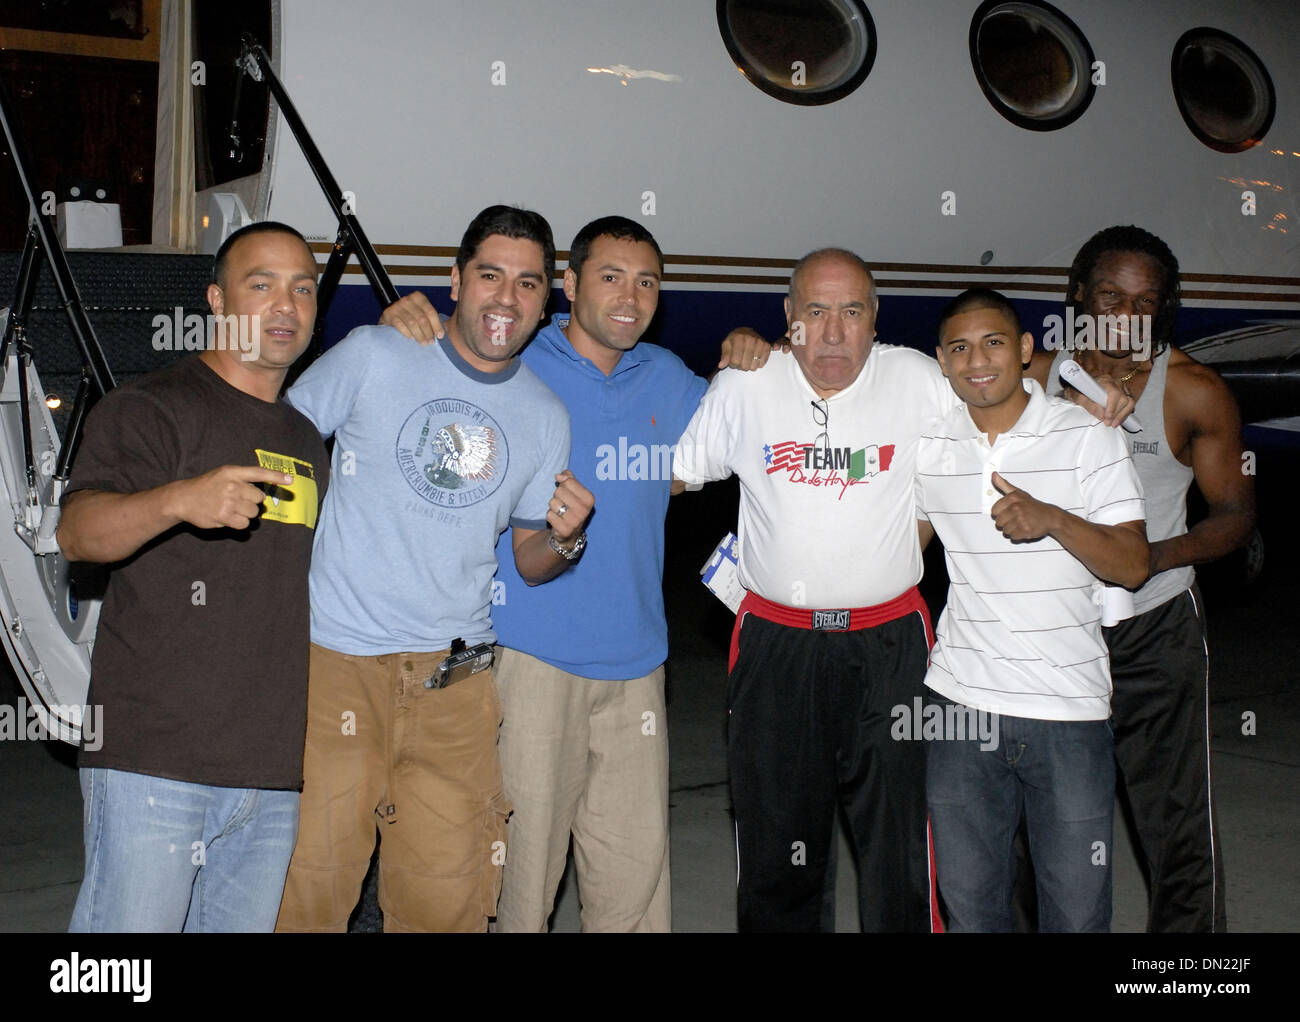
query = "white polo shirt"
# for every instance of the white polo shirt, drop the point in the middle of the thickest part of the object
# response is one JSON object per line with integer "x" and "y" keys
{"x": 826, "y": 521}
{"x": 1021, "y": 633}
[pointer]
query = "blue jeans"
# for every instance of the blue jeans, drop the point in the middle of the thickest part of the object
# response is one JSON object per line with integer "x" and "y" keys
{"x": 1061, "y": 775}
{"x": 167, "y": 856}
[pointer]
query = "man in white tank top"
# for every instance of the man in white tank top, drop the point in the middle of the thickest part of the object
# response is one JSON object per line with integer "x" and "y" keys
{"x": 1191, "y": 431}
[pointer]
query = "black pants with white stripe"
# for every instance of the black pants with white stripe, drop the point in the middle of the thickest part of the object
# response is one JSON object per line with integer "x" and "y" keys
{"x": 809, "y": 725}
{"x": 1160, "y": 717}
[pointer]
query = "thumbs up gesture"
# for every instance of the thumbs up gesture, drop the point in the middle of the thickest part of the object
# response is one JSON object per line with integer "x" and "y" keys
{"x": 1020, "y": 517}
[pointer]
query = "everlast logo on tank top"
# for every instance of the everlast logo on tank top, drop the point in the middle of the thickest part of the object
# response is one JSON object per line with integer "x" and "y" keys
{"x": 1144, "y": 448}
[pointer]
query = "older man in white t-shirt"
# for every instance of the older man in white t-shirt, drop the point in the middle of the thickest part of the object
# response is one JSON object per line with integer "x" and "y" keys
{"x": 833, "y": 633}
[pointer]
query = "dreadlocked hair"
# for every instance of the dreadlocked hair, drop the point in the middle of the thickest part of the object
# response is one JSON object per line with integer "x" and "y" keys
{"x": 1132, "y": 239}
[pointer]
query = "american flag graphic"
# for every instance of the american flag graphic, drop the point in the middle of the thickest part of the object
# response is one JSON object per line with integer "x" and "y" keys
{"x": 784, "y": 456}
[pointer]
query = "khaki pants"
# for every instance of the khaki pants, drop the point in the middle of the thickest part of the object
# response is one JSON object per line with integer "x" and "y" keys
{"x": 419, "y": 766}
{"x": 590, "y": 758}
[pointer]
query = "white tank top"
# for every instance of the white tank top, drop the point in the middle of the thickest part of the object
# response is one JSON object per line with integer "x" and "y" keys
{"x": 1164, "y": 479}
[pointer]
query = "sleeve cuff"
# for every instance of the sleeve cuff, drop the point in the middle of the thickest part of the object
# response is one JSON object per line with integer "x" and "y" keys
{"x": 1128, "y": 510}
{"x": 102, "y": 485}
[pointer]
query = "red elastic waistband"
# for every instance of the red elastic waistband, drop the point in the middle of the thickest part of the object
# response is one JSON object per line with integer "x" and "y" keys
{"x": 859, "y": 617}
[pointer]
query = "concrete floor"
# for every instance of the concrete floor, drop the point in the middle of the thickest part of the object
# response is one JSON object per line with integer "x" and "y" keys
{"x": 1256, "y": 783}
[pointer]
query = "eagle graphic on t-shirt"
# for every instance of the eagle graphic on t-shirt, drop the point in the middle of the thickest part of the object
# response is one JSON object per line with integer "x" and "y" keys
{"x": 461, "y": 455}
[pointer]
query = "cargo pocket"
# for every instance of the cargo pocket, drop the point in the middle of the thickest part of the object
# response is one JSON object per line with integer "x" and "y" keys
{"x": 494, "y": 858}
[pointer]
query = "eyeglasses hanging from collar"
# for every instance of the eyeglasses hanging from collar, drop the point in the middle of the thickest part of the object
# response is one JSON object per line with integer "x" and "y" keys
{"x": 821, "y": 417}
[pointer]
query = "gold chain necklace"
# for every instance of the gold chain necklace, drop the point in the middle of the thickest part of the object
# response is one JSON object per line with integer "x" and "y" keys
{"x": 1137, "y": 368}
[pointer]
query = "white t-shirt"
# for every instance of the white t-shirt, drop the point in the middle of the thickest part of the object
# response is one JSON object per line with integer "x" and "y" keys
{"x": 827, "y": 513}
{"x": 1021, "y": 633}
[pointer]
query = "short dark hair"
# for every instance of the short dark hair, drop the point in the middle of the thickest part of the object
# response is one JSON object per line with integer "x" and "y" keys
{"x": 510, "y": 222}
{"x": 620, "y": 228}
{"x": 260, "y": 227}
{"x": 1132, "y": 239}
{"x": 980, "y": 298}
{"x": 841, "y": 253}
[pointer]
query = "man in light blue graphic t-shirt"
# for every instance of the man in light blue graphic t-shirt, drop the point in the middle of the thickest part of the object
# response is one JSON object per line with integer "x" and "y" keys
{"x": 439, "y": 449}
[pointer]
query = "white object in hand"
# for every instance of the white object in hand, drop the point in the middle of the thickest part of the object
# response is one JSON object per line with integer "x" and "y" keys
{"x": 1073, "y": 374}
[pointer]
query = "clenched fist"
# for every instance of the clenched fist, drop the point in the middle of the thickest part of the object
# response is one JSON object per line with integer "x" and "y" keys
{"x": 744, "y": 348}
{"x": 569, "y": 508}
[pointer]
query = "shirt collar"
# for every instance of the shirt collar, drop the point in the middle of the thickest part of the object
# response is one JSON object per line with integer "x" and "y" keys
{"x": 1031, "y": 418}
{"x": 478, "y": 375}
{"x": 553, "y": 338}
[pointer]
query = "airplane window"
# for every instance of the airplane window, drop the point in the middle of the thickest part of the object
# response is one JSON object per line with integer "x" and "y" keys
{"x": 1032, "y": 62}
{"x": 1223, "y": 91}
{"x": 800, "y": 51}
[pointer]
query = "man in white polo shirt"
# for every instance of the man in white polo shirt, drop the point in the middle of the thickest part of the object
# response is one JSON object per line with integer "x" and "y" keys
{"x": 1021, "y": 634}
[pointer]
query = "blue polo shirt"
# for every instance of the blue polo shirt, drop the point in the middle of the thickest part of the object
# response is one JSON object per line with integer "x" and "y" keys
{"x": 604, "y": 617}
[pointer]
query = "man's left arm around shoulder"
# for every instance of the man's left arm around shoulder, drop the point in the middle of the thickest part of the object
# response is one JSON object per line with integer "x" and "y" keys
{"x": 1114, "y": 553}
{"x": 1207, "y": 408}
{"x": 536, "y": 556}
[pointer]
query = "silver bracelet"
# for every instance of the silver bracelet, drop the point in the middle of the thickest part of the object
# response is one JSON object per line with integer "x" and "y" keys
{"x": 573, "y": 552}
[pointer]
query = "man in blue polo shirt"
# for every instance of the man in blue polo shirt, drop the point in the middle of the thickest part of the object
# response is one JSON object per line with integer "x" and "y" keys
{"x": 584, "y": 741}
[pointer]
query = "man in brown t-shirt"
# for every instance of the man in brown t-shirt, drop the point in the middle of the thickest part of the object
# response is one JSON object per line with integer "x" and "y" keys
{"x": 202, "y": 489}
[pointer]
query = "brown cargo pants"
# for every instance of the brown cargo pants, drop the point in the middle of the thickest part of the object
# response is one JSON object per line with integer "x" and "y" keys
{"x": 418, "y": 767}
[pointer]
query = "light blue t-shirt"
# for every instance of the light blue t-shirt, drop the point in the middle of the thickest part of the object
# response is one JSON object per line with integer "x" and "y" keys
{"x": 604, "y": 618}
{"x": 432, "y": 460}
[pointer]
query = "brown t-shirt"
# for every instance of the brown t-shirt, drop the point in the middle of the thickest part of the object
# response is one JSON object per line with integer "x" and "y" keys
{"x": 200, "y": 660}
